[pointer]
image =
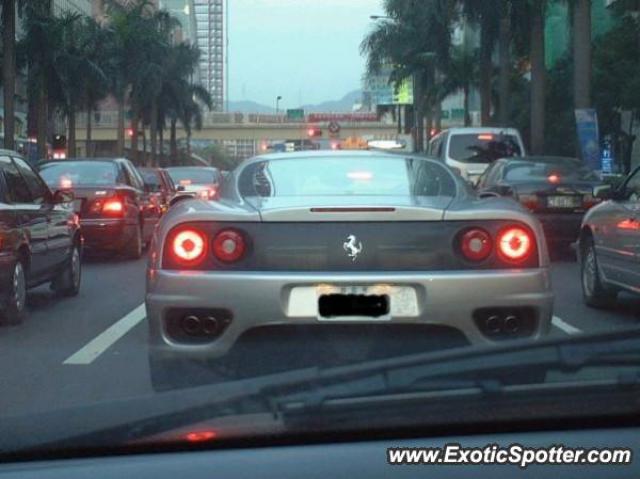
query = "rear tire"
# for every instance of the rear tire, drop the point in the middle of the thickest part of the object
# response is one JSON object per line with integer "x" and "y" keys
{"x": 15, "y": 304}
{"x": 67, "y": 282}
{"x": 594, "y": 291}
{"x": 133, "y": 249}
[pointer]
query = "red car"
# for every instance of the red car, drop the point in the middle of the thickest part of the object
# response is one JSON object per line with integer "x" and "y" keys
{"x": 116, "y": 213}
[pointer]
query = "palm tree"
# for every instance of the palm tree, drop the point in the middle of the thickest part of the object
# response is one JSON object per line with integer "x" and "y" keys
{"x": 582, "y": 53}
{"x": 462, "y": 74}
{"x": 416, "y": 41}
{"x": 40, "y": 44}
{"x": 178, "y": 94}
{"x": 9, "y": 69}
{"x": 538, "y": 76}
{"x": 484, "y": 14}
{"x": 95, "y": 86}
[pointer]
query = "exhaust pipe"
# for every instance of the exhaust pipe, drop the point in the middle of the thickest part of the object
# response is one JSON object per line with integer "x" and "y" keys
{"x": 210, "y": 325}
{"x": 191, "y": 325}
{"x": 494, "y": 324}
{"x": 512, "y": 324}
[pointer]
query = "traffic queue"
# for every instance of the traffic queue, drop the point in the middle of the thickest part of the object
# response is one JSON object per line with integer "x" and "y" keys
{"x": 50, "y": 216}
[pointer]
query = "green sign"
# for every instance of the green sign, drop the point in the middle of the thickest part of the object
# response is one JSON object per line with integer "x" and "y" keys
{"x": 404, "y": 93}
{"x": 296, "y": 114}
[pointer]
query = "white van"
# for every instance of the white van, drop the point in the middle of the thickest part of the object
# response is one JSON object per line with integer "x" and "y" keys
{"x": 470, "y": 150}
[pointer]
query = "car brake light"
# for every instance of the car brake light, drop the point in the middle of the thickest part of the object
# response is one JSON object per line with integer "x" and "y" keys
{"x": 485, "y": 137}
{"x": 112, "y": 206}
{"x": 208, "y": 194}
{"x": 229, "y": 246}
{"x": 476, "y": 244}
{"x": 189, "y": 246}
{"x": 200, "y": 436}
{"x": 515, "y": 244}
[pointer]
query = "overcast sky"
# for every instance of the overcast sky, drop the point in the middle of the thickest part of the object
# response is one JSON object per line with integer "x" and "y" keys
{"x": 305, "y": 50}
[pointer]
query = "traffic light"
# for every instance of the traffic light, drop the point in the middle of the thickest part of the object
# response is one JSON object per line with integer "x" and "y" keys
{"x": 129, "y": 132}
{"x": 314, "y": 132}
{"x": 59, "y": 142}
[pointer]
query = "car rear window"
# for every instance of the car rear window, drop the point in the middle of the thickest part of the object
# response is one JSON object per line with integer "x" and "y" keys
{"x": 565, "y": 170}
{"x": 395, "y": 176}
{"x": 150, "y": 177}
{"x": 77, "y": 173}
{"x": 483, "y": 147}
{"x": 196, "y": 176}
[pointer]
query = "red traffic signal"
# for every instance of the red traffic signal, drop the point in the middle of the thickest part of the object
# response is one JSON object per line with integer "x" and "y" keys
{"x": 314, "y": 132}
{"x": 129, "y": 132}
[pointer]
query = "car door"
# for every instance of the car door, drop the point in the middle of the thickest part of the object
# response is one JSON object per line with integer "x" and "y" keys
{"x": 59, "y": 232}
{"x": 616, "y": 228}
{"x": 31, "y": 218}
{"x": 150, "y": 214}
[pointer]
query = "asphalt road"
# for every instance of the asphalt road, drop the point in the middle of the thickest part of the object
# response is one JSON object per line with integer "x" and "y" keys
{"x": 92, "y": 348}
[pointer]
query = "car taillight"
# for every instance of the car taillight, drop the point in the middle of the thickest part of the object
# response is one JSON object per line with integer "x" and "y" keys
{"x": 515, "y": 244}
{"x": 113, "y": 205}
{"x": 229, "y": 246}
{"x": 189, "y": 246}
{"x": 208, "y": 194}
{"x": 529, "y": 201}
{"x": 476, "y": 244}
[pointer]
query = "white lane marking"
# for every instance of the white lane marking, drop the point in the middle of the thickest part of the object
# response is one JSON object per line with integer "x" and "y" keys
{"x": 564, "y": 326}
{"x": 107, "y": 338}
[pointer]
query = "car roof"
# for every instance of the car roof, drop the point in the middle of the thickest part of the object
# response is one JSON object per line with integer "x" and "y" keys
{"x": 482, "y": 129}
{"x": 328, "y": 154}
{"x": 10, "y": 153}
{"x": 70, "y": 160}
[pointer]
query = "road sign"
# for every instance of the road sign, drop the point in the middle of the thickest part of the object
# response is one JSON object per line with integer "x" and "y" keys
{"x": 296, "y": 114}
{"x": 334, "y": 128}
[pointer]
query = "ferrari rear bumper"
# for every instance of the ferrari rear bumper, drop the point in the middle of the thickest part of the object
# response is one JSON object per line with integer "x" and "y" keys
{"x": 249, "y": 300}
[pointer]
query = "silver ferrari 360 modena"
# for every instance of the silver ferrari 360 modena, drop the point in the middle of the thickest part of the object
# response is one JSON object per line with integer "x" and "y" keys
{"x": 340, "y": 239}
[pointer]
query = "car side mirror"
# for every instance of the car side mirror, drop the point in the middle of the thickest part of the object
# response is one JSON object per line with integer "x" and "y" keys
{"x": 603, "y": 192}
{"x": 63, "y": 196}
{"x": 180, "y": 188}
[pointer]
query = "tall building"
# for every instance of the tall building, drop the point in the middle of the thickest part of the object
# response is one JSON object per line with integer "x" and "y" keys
{"x": 210, "y": 32}
{"x": 183, "y": 11}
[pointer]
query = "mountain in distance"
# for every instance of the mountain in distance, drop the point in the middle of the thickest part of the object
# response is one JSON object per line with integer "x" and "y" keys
{"x": 343, "y": 105}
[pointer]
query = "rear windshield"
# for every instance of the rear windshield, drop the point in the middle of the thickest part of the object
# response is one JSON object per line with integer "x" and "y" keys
{"x": 150, "y": 177}
{"x": 483, "y": 148}
{"x": 564, "y": 170}
{"x": 344, "y": 176}
{"x": 195, "y": 176}
{"x": 77, "y": 173}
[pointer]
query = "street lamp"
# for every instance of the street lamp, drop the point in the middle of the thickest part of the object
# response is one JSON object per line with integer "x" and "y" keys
{"x": 278, "y": 98}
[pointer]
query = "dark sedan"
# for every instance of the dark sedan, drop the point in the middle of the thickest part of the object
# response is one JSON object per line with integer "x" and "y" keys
{"x": 40, "y": 238}
{"x": 160, "y": 187}
{"x": 110, "y": 198}
{"x": 558, "y": 190}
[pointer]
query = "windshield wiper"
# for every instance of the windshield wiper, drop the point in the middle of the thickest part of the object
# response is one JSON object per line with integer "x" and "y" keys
{"x": 490, "y": 370}
{"x": 471, "y": 371}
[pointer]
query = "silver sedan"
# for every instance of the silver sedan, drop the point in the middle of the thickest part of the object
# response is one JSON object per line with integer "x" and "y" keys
{"x": 320, "y": 239}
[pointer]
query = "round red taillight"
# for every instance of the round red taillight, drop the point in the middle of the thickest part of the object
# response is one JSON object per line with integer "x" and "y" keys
{"x": 189, "y": 246}
{"x": 515, "y": 243}
{"x": 229, "y": 246}
{"x": 476, "y": 244}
